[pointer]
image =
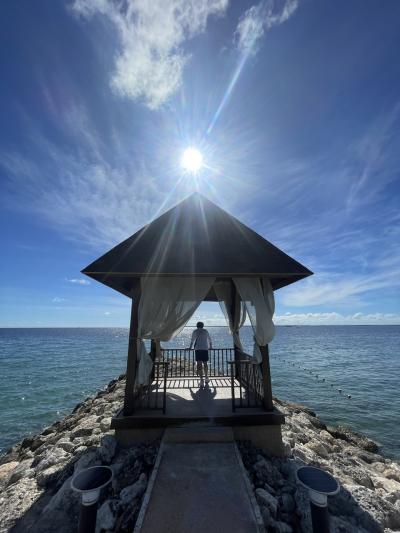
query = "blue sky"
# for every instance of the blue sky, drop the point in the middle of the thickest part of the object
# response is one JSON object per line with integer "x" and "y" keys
{"x": 294, "y": 104}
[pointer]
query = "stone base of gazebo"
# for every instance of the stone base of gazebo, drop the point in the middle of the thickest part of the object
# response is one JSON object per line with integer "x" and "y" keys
{"x": 266, "y": 437}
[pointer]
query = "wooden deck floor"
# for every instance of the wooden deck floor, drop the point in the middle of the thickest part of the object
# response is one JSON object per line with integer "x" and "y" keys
{"x": 186, "y": 401}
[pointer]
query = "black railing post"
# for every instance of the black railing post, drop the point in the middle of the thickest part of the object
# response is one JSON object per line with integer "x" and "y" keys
{"x": 233, "y": 387}
{"x": 165, "y": 388}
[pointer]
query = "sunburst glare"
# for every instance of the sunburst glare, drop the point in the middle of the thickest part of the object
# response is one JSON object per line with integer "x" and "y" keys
{"x": 192, "y": 160}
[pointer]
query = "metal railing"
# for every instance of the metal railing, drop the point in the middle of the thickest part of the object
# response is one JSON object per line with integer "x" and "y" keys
{"x": 182, "y": 363}
{"x": 154, "y": 394}
{"x": 244, "y": 373}
{"x": 246, "y": 383}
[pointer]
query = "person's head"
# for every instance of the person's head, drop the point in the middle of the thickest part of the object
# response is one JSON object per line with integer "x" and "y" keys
{"x": 200, "y": 325}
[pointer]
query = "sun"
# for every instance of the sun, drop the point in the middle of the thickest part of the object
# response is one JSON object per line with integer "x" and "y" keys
{"x": 192, "y": 160}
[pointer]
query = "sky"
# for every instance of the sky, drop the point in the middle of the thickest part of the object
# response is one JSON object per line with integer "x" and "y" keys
{"x": 294, "y": 104}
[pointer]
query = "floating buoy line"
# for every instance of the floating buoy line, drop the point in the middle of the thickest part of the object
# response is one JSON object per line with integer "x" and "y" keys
{"x": 320, "y": 379}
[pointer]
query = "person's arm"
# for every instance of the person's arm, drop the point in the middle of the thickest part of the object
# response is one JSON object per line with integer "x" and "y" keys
{"x": 193, "y": 339}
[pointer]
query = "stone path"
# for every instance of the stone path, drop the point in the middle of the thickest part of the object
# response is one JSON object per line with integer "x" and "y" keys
{"x": 200, "y": 487}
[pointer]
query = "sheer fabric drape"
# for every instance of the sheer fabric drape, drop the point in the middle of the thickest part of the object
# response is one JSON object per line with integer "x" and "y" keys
{"x": 166, "y": 304}
{"x": 258, "y": 298}
{"x": 223, "y": 291}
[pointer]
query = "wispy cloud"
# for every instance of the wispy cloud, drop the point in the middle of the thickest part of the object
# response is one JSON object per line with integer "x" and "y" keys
{"x": 58, "y": 300}
{"x": 334, "y": 288}
{"x": 101, "y": 194}
{"x": 152, "y": 34}
{"x": 374, "y": 160}
{"x": 79, "y": 281}
{"x": 258, "y": 19}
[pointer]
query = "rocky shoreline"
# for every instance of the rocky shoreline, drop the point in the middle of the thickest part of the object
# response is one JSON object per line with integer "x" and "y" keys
{"x": 35, "y": 474}
{"x": 369, "y": 497}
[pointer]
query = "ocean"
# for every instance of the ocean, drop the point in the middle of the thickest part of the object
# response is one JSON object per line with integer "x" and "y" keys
{"x": 46, "y": 372}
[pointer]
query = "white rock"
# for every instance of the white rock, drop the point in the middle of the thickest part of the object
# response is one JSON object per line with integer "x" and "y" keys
{"x": 90, "y": 458}
{"x": 378, "y": 467}
{"x": 107, "y": 448}
{"x": 304, "y": 454}
{"x": 6, "y": 469}
{"x": 266, "y": 499}
{"x": 392, "y": 473}
{"x": 287, "y": 448}
{"x": 52, "y": 457}
{"x": 85, "y": 427}
{"x": 105, "y": 423}
{"x": 65, "y": 445}
{"x": 317, "y": 447}
{"x": 66, "y": 500}
{"x": 303, "y": 508}
{"x": 392, "y": 497}
{"x": 327, "y": 437}
{"x": 128, "y": 494}
{"x": 46, "y": 477}
{"x": 106, "y": 516}
{"x": 21, "y": 471}
{"x": 15, "y": 501}
{"x": 389, "y": 485}
{"x": 376, "y": 509}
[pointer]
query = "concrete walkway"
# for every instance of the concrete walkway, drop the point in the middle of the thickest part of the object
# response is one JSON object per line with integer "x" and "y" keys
{"x": 200, "y": 487}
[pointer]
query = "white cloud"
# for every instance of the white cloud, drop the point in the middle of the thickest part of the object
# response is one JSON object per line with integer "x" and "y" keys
{"x": 332, "y": 319}
{"x": 151, "y": 35}
{"x": 331, "y": 288}
{"x": 57, "y": 300}
{"x": 258, "y": 19}
{"x": 307, "y": 319}
{"x": 79, "y": 281}
{"x": 107, "y": 313}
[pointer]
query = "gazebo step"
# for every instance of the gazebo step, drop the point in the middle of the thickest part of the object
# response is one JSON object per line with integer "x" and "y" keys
{"x": 199, "y": 433}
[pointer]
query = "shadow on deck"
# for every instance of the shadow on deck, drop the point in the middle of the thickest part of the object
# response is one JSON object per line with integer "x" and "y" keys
{"x": 188, "y": 402}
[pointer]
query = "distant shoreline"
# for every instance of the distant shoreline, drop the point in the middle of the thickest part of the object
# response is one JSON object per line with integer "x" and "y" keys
{"x": 212, "y": 326}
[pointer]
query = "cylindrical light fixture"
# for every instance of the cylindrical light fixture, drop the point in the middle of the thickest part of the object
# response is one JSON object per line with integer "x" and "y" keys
{"x": 89, "y": 483}
{"x": 320, "y": 485}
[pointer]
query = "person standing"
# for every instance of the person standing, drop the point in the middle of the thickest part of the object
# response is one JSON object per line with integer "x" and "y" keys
{"x": 201, "y": 342}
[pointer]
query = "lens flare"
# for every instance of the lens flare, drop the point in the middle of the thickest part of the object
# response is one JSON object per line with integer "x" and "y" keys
{"x": 192, "y": 160}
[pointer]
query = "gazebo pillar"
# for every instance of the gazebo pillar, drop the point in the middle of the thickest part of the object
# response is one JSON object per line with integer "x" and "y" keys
{"x": 131, "y": 366}
{"x": 266, "y": 375}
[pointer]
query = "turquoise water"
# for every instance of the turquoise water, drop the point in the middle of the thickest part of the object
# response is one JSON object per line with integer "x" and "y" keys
{"x": 45, "y": 372}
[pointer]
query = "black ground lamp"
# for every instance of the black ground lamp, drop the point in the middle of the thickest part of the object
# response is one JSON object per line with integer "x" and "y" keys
{"x": 89, "y": 483}
{"x": 320, "y": 485}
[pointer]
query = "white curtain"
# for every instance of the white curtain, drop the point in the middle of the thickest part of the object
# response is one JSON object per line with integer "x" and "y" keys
{"x": 223, "y": 290}
{"x": 258, "y": 298}
{"x": 166, "y": 304}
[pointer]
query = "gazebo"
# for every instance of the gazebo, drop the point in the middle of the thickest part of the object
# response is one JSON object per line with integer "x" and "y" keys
{"x": 196, "y": 252}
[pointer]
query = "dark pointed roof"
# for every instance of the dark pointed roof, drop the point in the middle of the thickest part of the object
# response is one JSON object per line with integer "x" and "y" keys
{"x": 196, "y": 237}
